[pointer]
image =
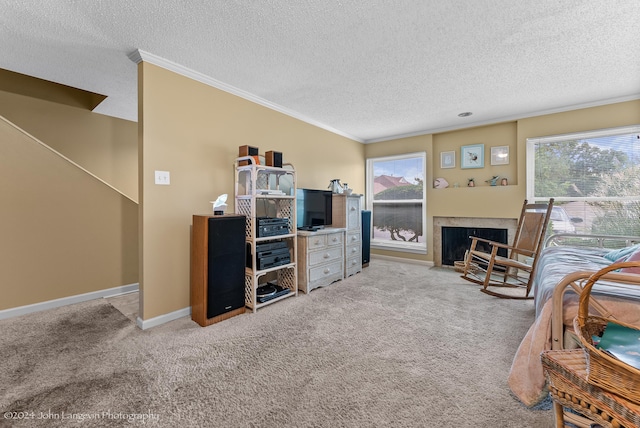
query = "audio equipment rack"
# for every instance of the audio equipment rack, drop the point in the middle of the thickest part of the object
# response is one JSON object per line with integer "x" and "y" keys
{"x": 269, "y": 235}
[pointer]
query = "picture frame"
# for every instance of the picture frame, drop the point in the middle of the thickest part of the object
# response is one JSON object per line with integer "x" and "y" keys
{"x": 500, "y": 155}
{"x": 448, "y": 159}
{"x": 472, "y": 156}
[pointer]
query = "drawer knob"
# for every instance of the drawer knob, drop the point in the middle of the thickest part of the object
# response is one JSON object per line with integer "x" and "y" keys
{"x": 335, "y": 239}
{"x": 327, "y": 255}
{"x": 317, "y": 242}
{"x": 327, "y": 270}
{"x": 354, "y": 250}
{"x": 353, "y": 208}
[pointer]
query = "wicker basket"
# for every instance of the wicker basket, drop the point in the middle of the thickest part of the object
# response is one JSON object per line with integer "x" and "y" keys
{"x": 458, "y": 266}
{"x": 566, "y": 373}
{"x": 603, "y": 370}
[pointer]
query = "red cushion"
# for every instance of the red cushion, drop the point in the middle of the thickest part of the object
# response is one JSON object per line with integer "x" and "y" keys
{"x": 634, "y": 257}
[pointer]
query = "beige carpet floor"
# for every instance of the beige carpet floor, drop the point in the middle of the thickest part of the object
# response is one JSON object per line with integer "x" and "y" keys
{"x": 398, "y": 345}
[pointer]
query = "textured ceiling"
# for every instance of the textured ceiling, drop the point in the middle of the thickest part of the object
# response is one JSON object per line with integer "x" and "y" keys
{"x": 368, "y": 69}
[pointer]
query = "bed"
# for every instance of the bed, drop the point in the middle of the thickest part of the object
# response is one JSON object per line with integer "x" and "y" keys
{"x": 564, "y": 265}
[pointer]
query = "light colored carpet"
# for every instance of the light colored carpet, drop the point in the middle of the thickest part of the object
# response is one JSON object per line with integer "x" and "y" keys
{"x": 399, "y": 345}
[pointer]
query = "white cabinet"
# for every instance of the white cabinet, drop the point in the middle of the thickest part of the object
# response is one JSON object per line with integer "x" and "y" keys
{"x": 353, "y": 253}
{"x": 320, "y": 258}
{"x": 266, "y": 195}
{"x": 346, "y": 213}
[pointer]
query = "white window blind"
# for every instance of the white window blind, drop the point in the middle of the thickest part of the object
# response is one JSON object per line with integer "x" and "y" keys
{"x": 594, "y": 177}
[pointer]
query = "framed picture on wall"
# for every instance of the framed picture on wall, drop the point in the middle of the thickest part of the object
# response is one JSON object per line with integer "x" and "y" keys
{"x": 448, "y": 159}
{"x": 472, "y": 156}
{"x": 500, "y": 155}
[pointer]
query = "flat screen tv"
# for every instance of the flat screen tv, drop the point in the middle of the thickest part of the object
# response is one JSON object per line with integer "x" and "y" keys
{"x": 313, "y": 208}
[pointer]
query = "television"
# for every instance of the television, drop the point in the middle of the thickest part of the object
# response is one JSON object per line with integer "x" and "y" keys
{"x": 313, "y": 208}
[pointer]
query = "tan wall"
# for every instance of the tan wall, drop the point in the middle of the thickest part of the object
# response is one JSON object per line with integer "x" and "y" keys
{"x": 63, "y": 232}
{"x": 105, "y": 146}
{"x": 485, "y": 200}
{"x": 609, "y": 116}
{"x": 193, "y": 131}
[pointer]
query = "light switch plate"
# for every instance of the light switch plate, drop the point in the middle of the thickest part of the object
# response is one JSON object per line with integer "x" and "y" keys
{"x": 163, "y": 178}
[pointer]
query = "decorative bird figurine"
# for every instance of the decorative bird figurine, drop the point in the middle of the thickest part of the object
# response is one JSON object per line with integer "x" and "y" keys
{"x": 493, "y": 180}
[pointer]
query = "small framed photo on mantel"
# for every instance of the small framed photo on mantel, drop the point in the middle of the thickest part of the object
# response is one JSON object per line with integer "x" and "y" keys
{"x": 448, "y": 159}
{"x": 500, "y": 155}
{"x": 472, "y": 156}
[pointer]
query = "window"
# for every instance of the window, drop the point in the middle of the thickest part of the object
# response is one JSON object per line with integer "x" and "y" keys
{"x": 397, "y": 200}
{"x": 594, "y": 178}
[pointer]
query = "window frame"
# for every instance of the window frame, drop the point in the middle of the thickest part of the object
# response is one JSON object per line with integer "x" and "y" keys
{"x": 401, "y": 246}
{"x": 530, "y": 161}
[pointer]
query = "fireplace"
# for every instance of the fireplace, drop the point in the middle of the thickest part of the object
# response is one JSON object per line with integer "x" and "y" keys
{"x": 456, "y": 241}
{"x": 473, "y": 223}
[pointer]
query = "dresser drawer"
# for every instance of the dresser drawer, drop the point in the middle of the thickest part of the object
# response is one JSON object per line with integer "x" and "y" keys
{"x": 353, "y": 237}
{"x": 334, "y": 239}
{"x": 325, "y": 255}
{"x": 354, "y": 250}
{"x": 354, "y": 265}
{"x": 353, "y": 213}
{"x": 315, "y": 242}
{"x": 324, "y": 272}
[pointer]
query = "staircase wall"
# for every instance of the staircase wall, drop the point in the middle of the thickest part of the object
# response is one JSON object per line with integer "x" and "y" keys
{"x": 105, "y": 146}
{"x": 63, "y": 231}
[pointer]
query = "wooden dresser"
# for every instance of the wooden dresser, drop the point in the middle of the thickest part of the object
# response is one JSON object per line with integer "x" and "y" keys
{"x": 320, "y": 258}
{"x": 347, "y": 213}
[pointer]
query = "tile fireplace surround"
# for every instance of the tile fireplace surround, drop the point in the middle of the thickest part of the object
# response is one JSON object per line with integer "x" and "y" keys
{"x": 493, "y": 223}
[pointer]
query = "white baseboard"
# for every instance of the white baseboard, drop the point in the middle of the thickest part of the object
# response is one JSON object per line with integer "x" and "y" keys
{"x": 401, "y": 260}
{"x": 64, "y": 301}
{"x": 153, "y": 322}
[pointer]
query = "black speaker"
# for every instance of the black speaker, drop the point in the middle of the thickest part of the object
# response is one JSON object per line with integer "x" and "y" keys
{"x": 366, "y": 237}
{"x": 225, "y": 282}
{"x": 247, "y": 151}
{"x": 273, "y": 159}
{"x": 217, "y": 269}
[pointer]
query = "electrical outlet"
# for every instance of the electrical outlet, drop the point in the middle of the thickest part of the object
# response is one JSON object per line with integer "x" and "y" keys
{"x": 163, "y": 178}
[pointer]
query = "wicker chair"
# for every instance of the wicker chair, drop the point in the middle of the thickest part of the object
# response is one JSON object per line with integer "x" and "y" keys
{"x": 484, "y": 266}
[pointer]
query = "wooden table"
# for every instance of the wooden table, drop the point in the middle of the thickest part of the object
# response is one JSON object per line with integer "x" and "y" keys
{"x": 566, "y": 372}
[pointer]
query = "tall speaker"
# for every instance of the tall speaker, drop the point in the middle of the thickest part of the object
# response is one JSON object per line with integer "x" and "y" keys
{"x": 217, "y": 268}
{"x": 366, "y": 237}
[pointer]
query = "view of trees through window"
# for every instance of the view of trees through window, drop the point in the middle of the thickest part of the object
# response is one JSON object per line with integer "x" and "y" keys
{"x": 397, "y": 200}
{"x": 595, "y": 180}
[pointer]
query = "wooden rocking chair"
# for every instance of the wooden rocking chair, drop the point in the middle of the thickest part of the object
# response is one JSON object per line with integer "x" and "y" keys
{"x": 515, "y": 270}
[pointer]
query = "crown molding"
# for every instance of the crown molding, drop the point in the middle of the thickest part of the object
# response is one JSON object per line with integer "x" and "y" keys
{"x": 138, "y": 56}
{"x": 505, "y": 119}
